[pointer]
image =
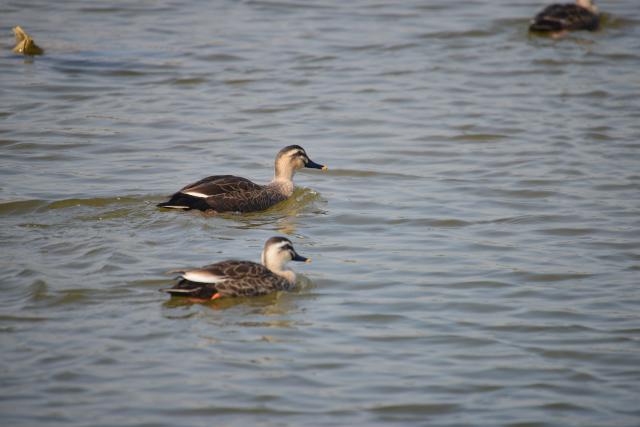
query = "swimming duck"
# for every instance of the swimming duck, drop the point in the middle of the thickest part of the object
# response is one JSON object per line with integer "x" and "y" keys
{"x": 559, "y": 18}
{"x": 26, "y": 45}
{"x": 241, "y": 278}
{"x": 228, "y": 193}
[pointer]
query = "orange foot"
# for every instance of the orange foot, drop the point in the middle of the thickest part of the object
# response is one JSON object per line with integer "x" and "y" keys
{"x": 203, "y": 300}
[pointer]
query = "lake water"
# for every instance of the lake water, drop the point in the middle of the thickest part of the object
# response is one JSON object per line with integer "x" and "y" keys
{"x": 475, "y": 243}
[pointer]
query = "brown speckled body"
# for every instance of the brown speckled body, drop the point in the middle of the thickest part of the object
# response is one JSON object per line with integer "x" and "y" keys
{"x": 241, "y": 279}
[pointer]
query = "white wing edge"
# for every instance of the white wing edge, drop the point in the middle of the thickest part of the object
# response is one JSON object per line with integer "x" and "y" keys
{"x": 202, "y": 276}
{"x": 195, "y": 194}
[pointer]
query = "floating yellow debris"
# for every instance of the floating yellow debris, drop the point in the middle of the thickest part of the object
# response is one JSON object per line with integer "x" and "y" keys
{"x": 26, "y": 45}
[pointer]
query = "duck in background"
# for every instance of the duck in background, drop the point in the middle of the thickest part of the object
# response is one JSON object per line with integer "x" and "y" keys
{"x": 557, "y": 19}
{"x": 25, "y": 44}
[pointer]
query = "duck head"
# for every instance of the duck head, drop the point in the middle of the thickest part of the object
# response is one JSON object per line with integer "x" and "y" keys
{"x": 587, "y": 4}
{"x": 277, "y": 252}
{"x": 292, "y": 158}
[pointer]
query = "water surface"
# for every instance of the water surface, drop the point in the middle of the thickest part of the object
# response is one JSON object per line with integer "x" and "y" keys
{"x": 475, "y": 243}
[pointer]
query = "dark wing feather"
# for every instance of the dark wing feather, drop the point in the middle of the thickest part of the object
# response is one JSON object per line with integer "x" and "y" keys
{"x": 186, "y": 288}
{"x": 560, "y": 17}
{"x": 245, "y": 201}
{"x": 221, "y": 184}
{"x": 225, "y": 193}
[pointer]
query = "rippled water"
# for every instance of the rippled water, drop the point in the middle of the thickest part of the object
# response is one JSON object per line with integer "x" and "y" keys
{"x": 476, "y": 241}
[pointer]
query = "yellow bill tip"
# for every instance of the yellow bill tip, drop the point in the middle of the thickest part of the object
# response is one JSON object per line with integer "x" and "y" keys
{"x": 308, "y": 260}
{"x": 324, "y": 168}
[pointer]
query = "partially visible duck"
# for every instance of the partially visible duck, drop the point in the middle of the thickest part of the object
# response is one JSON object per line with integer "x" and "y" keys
{"x": 228, "y": 193}
{"x": 240, "y": 278}
{"x": 558, "y": 18}
{"x": 25, "y": 44}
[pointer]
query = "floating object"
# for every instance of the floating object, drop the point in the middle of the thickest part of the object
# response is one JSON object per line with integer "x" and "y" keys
{"x": 560, "y": 18}
{"x": 228, "y": 193}
{"x": 26, "y": 45}
{"x": 240, "y": 278}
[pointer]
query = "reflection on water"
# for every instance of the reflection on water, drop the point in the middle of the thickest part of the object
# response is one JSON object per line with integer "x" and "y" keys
{"x": 281, "y": 217}
{"x": 474, "y": 242}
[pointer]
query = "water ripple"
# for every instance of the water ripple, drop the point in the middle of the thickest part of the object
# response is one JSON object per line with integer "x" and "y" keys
{"x": 474, "y": 240}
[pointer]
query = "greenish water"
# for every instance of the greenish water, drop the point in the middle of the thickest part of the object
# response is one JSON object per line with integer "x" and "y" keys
{"x": 475, "y": 242}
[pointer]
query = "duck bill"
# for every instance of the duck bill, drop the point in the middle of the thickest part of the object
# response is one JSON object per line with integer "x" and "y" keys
{"x": 313, "y": 165}
{"x": 301, "y": 258}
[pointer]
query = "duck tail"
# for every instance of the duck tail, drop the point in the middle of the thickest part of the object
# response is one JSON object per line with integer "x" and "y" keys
{"x": 184, "y": 202}
{"x": 179, "y": 292}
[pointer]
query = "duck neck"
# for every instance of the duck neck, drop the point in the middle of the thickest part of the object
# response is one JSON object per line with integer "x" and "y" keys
{"x": 288, "y": 275}
{"x": 283, "y": 180}
{"x": 278, "y": 268}
{"x": 284, "y": 171}
{"x": 282, "y": 187}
